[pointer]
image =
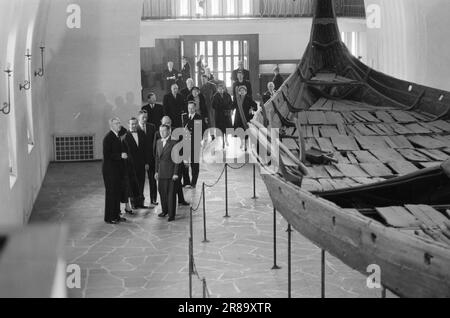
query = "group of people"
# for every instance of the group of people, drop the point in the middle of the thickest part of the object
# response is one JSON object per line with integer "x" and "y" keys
{"x": 144, "y": 150}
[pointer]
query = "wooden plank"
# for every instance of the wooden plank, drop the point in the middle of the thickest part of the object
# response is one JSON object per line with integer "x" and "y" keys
{"x": 371, "y": 142}
{"x": 426, "y": 142}
{"x": 376, "y": 169}
{"x": 430, "y": 164}
{"x": 384, "y": 117}
{"x": 428, "y": 215}
{"x": 353, "y": 131}
{"x": 418, "y": 129}
{"x": 309, "y": 132}
{"x": 328, "y": 131}
{"x": 367, "y": 116}
{"x": 398, "y": 217}
{"x": 413, "y": 155}
{"x": 325, "y": 145}
{"x": 398, "y": 142}
{"x": 351, "y": 171}
{"x": 290, "y": 144}
{"x": 402, "y": 116}
{"x": 444, "y": 139}
{"x": 334, "y": 172}
{"x": 342, "y": 130}
{"x": 316, "y": 132}
{"x": 400, "y": 129}
{"x": 441, "y": 124}
{"x": 365, "y": 181}
{"x": 349, "y": 119}
{"x": 326, "y": 184}
{"x": 352, "y": 158}
{"x": 364, "y": 130}
{"x": 316, "y": 118}
{"x": 317, "y": 172}
{"x": 311, "y": 185}
{"x": 386, "y": 155}
{"x": 334, "y": 118}
{"x": 434, "y": 154}
{"x": 365, "y": 157}
{"x": 319, "y": 104}
{"x": 387, "y": 130}
{"x": 311, "y": 143}
{"x": 403, "y": 167}
{"x": 432, "y": 128}
{"x": 344, "y": 143}
{"x": 377, "y": 130}
{"x": 340, "y": 158}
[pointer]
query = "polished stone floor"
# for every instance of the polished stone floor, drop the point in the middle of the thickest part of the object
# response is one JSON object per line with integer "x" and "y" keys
{"x": 148, "y": 256}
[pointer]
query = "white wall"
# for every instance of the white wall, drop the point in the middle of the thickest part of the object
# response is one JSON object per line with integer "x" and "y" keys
{"x": 21, "y": 22}
{"x": 413, "y": 42}
{"x": 279, "y": 39}
{"x": 94, "y": 71}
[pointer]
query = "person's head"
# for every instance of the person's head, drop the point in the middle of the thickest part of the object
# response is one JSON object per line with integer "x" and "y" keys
{"x": 142, "y": 117}
{"x": 164, "y": 131}
{"x": 133, "y": 123}
{"x": 201, "y": 57}
{"x": 204, "y": 79}
{"x": 208, "y": 71}
{"x": 241, "y": 64}
{"x": 170, "y": 65}
{"x": 240, "y": 76}
{"x": 115, "y": 124}
{"x": 221, "y": 88}
{"x": 271, "y": 86}
{"x": 190, "y": 83}
{"x": 191, "y": 108}
{"x": 166, "y": 121}
{"x": 276, "y": 70}
{"x": 184, "y": 60}
{"x": 242, "y": 90}
{"x": 151, "y": 98}
{"x": 195, "y": 91}
{"x": 174, "y": 89}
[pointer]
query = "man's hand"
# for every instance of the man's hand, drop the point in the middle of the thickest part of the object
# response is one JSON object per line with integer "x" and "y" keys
{"x": 156, "y": 176}
{"x": 175, "y": 177}
{"x": 124, "y": 155}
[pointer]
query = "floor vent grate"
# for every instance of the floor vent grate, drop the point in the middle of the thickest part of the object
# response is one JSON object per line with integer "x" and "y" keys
{"x": 74, "y": 148}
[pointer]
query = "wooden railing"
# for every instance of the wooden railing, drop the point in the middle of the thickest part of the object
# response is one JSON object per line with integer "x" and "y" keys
{"x": 204, "y": 9}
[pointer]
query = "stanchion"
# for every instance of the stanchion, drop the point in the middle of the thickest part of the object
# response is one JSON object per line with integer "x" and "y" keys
{"x": 205, "y": 240}
{"x": 204, "y": 287}
{"x": 226, "y": 191}
{"x": 289, "y": 230}
{"x": 383, "y": 292}
{"x": 322, "y": 274}
{"x": 191, "y": 253}
{"x": 275, "y": 266}
{"x": 254, "y": 182}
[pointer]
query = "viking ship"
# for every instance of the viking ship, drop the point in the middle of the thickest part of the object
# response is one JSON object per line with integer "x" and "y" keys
{"x": 363, "y": 167}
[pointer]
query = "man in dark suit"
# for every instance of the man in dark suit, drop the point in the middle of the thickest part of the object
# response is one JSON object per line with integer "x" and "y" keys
{"x": 155, "y": 112}
{"x": 270, "y": 92}
{"x": 149, "y": 131}
{"x": 193, "y": 119}
{"x": 277, "y": 78}
{"x": 185, "y": 92}
{"x": 134, "y": 143}
{"x": 174, "y": 106}
{"x": 113, "y": 172}
{"x": 241, "y": 82}
{"x": 246, "y": 73}
{"x": 185, "y": 70}
{"x": 166, "y": 173}
{"x": 170, "y": 76}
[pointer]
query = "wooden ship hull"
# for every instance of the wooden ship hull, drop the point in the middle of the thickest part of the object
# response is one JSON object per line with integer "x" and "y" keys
{"x": 362, "y": 164}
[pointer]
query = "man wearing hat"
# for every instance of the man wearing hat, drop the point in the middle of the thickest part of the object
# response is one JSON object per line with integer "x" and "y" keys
{"x": 234, "y": 75}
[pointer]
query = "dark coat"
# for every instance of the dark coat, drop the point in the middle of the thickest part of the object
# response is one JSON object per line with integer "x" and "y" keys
{"x": 204, "y": 112}
{"x": 155, "y": 114}
{"x": 185, "y": 92}
{"x": 246, "y": 75}
{"x": 222, "y": 105}
{"x": 267, "y": 96}
{"x": 164, "y": 165}
{"x": 148, "y": 143}
{"x": 190, "y": 126}
{"x": 170, "y": 78}
{"x": 186, "y": 72}
{"x": 247, "y": 105}
{"x": 174, "y": 107}
{"x": 278, "y": 81}
{"x": 135, "y": 164}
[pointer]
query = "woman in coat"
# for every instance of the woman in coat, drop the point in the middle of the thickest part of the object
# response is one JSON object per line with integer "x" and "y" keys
{"x": 245, "y": 107}
{"x": 222, "y": 105}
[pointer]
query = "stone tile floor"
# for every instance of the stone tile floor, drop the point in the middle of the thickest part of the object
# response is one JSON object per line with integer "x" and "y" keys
{"x": 148, "y": 257}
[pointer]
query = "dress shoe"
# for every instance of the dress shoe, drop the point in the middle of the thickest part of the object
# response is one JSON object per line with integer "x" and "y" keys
{"x": 171, "y": 220}
{"x": 155, "y": 203}
{"x": 162, "y": 215}
{"x": 143, "y": 207}
{"x": 130, "y": 212}
{"x": 111, "y": 222}
{"x": 184, "y": 203}
{"x": 120, "y": 219}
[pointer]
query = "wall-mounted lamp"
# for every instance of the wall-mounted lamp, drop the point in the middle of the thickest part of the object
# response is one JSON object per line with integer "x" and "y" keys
{"x": 27, "y": 83}
{"x": 6, "y": 109}
{"x": 40, "y": 71}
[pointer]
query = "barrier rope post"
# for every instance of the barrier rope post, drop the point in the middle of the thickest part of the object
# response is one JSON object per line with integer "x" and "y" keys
{"x": 205, "y": 240}
{"x": 191, "y": 253}
{"x": 275, "y": 266}
{"x": 204, "y": 287}
{"x": 254, "y": 182}
{"x": 226, "y": 191}
{"x": 289, "y": 230}
{"x": 322, "y": 276}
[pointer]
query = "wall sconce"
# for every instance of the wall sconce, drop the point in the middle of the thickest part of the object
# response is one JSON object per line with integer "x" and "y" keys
{"x": 40, "y": 71}
{"x": 27, "y": 83}
{"x": 6, "y": 109}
